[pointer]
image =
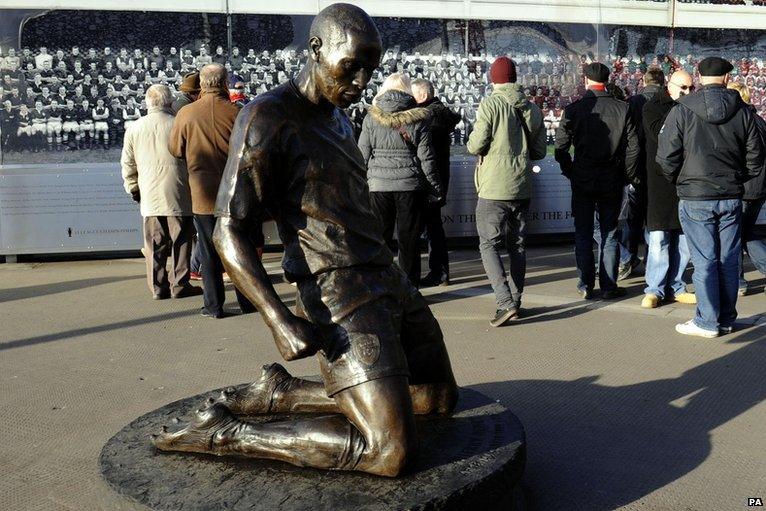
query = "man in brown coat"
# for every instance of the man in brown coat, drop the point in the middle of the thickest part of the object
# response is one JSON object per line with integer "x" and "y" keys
{"x": 201, "y": 137}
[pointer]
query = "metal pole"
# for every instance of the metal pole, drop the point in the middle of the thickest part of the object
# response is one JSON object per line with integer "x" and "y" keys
{"x": 229, "y": 36}
{"x": 467, "y": 22}
{"x": 672, "y": 26}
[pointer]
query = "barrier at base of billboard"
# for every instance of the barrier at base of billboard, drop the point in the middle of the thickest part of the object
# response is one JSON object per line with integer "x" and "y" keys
{"x": 47, "y": 209}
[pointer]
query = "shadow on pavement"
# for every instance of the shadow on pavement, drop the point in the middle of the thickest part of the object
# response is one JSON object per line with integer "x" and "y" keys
{"x": 596, "y": 447}
{"x": 21, "y": 293}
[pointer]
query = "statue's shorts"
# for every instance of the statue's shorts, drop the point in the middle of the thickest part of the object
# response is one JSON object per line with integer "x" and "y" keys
{"x": 374, "y": 324}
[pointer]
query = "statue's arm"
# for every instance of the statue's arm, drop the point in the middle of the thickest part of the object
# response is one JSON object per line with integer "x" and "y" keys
{"x": 245, "y": 185}
{"x": 295, "y": 337}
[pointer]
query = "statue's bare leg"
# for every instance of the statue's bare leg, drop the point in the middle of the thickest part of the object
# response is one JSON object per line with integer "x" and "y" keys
{"x": 375, "y": 434}
{"x": 276, "y": 391}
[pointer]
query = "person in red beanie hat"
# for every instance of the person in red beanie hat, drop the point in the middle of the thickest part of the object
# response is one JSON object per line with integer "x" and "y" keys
{"x": 508, "y": 135}
{"x": 502, "y": 70}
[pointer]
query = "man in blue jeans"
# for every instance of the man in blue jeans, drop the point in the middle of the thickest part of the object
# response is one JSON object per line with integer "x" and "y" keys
{"x": 709, "y": 146}
{"x": 668, "y": 252}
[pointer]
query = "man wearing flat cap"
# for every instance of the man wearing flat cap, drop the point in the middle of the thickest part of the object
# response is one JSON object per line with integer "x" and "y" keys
{"x": 189, "y": 92}
{"x": 601, "y": 130}
{"x": 709, "y": 146}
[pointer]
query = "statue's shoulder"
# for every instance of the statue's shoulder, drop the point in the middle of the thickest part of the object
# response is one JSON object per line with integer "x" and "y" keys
{"x": 273, "y": 104}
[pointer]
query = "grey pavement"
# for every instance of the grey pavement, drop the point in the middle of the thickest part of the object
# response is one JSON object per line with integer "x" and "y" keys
{"x": 620, "y": 411}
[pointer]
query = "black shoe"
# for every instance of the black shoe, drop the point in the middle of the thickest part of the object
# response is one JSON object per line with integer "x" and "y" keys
{"x": 626, "y": 270}
{"x": 188, "y": 291}
{"x": 215, "y": 315}
{"x": 617, "y": 292}
{"x": 161, "y": 296}
{"x": 586, "y": 294}
{"x": 432, "y": 280}
{"x": 504, "y": 315}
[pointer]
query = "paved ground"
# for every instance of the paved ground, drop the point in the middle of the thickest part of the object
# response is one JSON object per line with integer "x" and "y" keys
{"x": 620, "y": 411}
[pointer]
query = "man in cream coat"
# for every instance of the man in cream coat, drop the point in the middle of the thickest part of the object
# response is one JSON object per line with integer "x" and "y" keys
{"x": 159, "y": 182}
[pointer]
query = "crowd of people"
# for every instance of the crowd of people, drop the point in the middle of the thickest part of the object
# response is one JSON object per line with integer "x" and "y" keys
{"x": 68, "y": 100}
{"x": 54, "y": 100}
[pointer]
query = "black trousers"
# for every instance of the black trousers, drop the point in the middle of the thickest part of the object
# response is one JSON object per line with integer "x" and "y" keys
{"x": 438, "y": 258}
{"x": 585, "y": 203}
{"x": 403, "y": 210}
{"x": 633, "y": 232}
{"x": 214, "y": 293}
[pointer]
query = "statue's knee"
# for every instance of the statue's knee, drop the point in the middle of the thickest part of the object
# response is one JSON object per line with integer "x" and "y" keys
{"x": 393, "y": 457}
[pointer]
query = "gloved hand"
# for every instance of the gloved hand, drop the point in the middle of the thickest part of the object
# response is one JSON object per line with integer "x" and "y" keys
{"x": 437, "y": 201}
{"x": 136, "y": 195}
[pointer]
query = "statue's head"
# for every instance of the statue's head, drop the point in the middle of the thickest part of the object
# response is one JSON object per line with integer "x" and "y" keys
{"x": 344, "y": 50}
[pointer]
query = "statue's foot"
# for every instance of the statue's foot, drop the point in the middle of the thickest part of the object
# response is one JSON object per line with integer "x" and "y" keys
{"x": 197, "y": 435}
{"x": 256, "y": 398}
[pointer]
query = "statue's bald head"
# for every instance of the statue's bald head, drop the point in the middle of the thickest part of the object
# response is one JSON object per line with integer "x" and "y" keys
{"x": 345, "y": 49}
{"x": 335, "y": 22}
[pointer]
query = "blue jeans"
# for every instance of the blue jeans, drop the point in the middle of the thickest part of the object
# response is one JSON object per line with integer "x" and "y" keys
{"x": 622, "y": 250}
{"x": 753, "y": 244}
{"x": 666, "y": 260}
{"x": 713, "y": 232}
{"x": 585, "y": 203}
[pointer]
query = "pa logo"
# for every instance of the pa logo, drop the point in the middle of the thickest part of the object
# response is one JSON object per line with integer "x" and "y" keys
{"x": 755, "y": 502}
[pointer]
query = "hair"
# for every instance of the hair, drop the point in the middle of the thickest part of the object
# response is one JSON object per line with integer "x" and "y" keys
{"x": 615, "y": 90}
{"x": 654, "y": 76}
{"x": 159, "y": 96}
{"x": 395, "y": 81}
{"x": 213, "y": 77}
{"x": 744, "y": 91}
{"x": 424, "y": 85}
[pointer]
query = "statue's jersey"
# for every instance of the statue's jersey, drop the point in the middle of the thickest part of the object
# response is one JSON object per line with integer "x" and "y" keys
{"x": 299, "y": 164}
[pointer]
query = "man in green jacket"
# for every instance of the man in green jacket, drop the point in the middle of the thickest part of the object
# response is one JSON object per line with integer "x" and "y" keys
{"x": 508, "y": 135}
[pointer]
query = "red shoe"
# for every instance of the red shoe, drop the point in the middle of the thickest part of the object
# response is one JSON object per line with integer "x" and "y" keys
{"x": 193, "y": 275}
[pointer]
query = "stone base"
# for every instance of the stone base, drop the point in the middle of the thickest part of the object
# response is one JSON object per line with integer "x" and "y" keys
{"x": 472, "y": 460}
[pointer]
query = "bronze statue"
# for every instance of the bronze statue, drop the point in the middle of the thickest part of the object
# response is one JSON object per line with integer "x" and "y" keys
{"x": 382, "y": 356}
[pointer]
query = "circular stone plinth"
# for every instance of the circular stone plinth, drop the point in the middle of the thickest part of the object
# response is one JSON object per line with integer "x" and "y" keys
{"x": 471, "y": 460}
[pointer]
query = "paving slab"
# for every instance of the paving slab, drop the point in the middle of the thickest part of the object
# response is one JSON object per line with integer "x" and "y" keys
{"x": 620, "y": 411}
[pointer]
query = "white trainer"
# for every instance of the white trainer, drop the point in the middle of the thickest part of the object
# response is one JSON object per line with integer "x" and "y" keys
{"x": 690, "y": 328}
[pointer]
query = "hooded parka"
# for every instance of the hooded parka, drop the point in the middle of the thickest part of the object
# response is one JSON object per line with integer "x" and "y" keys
{"x": 397, "y": 147}
{"x": 710, "y": 145}
{"x": 505, "y": 172}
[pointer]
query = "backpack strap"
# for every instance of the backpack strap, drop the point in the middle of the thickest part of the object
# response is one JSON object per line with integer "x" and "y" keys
{"x": 524, "y": 127}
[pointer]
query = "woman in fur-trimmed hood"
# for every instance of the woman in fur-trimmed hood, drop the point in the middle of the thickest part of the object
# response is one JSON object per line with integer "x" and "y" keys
{"x": 401, "y": 173}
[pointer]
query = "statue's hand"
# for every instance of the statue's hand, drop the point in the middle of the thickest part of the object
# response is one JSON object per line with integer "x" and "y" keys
{"x": 297, "y": 338}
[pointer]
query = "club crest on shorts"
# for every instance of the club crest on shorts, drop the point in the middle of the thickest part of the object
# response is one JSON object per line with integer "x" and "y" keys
{"x": 367, "y": 348}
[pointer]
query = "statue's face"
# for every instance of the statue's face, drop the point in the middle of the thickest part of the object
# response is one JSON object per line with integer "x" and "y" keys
{"x": 345, "y": 69}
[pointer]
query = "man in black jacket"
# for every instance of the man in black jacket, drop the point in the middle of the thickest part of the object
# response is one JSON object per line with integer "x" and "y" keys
{"x": 709, "y": 146}
{"x": 668, "y": 253}
{"x": 443, "y": 122}
{"x": 633, "y": 231}
{"x": 600, "y": 128}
